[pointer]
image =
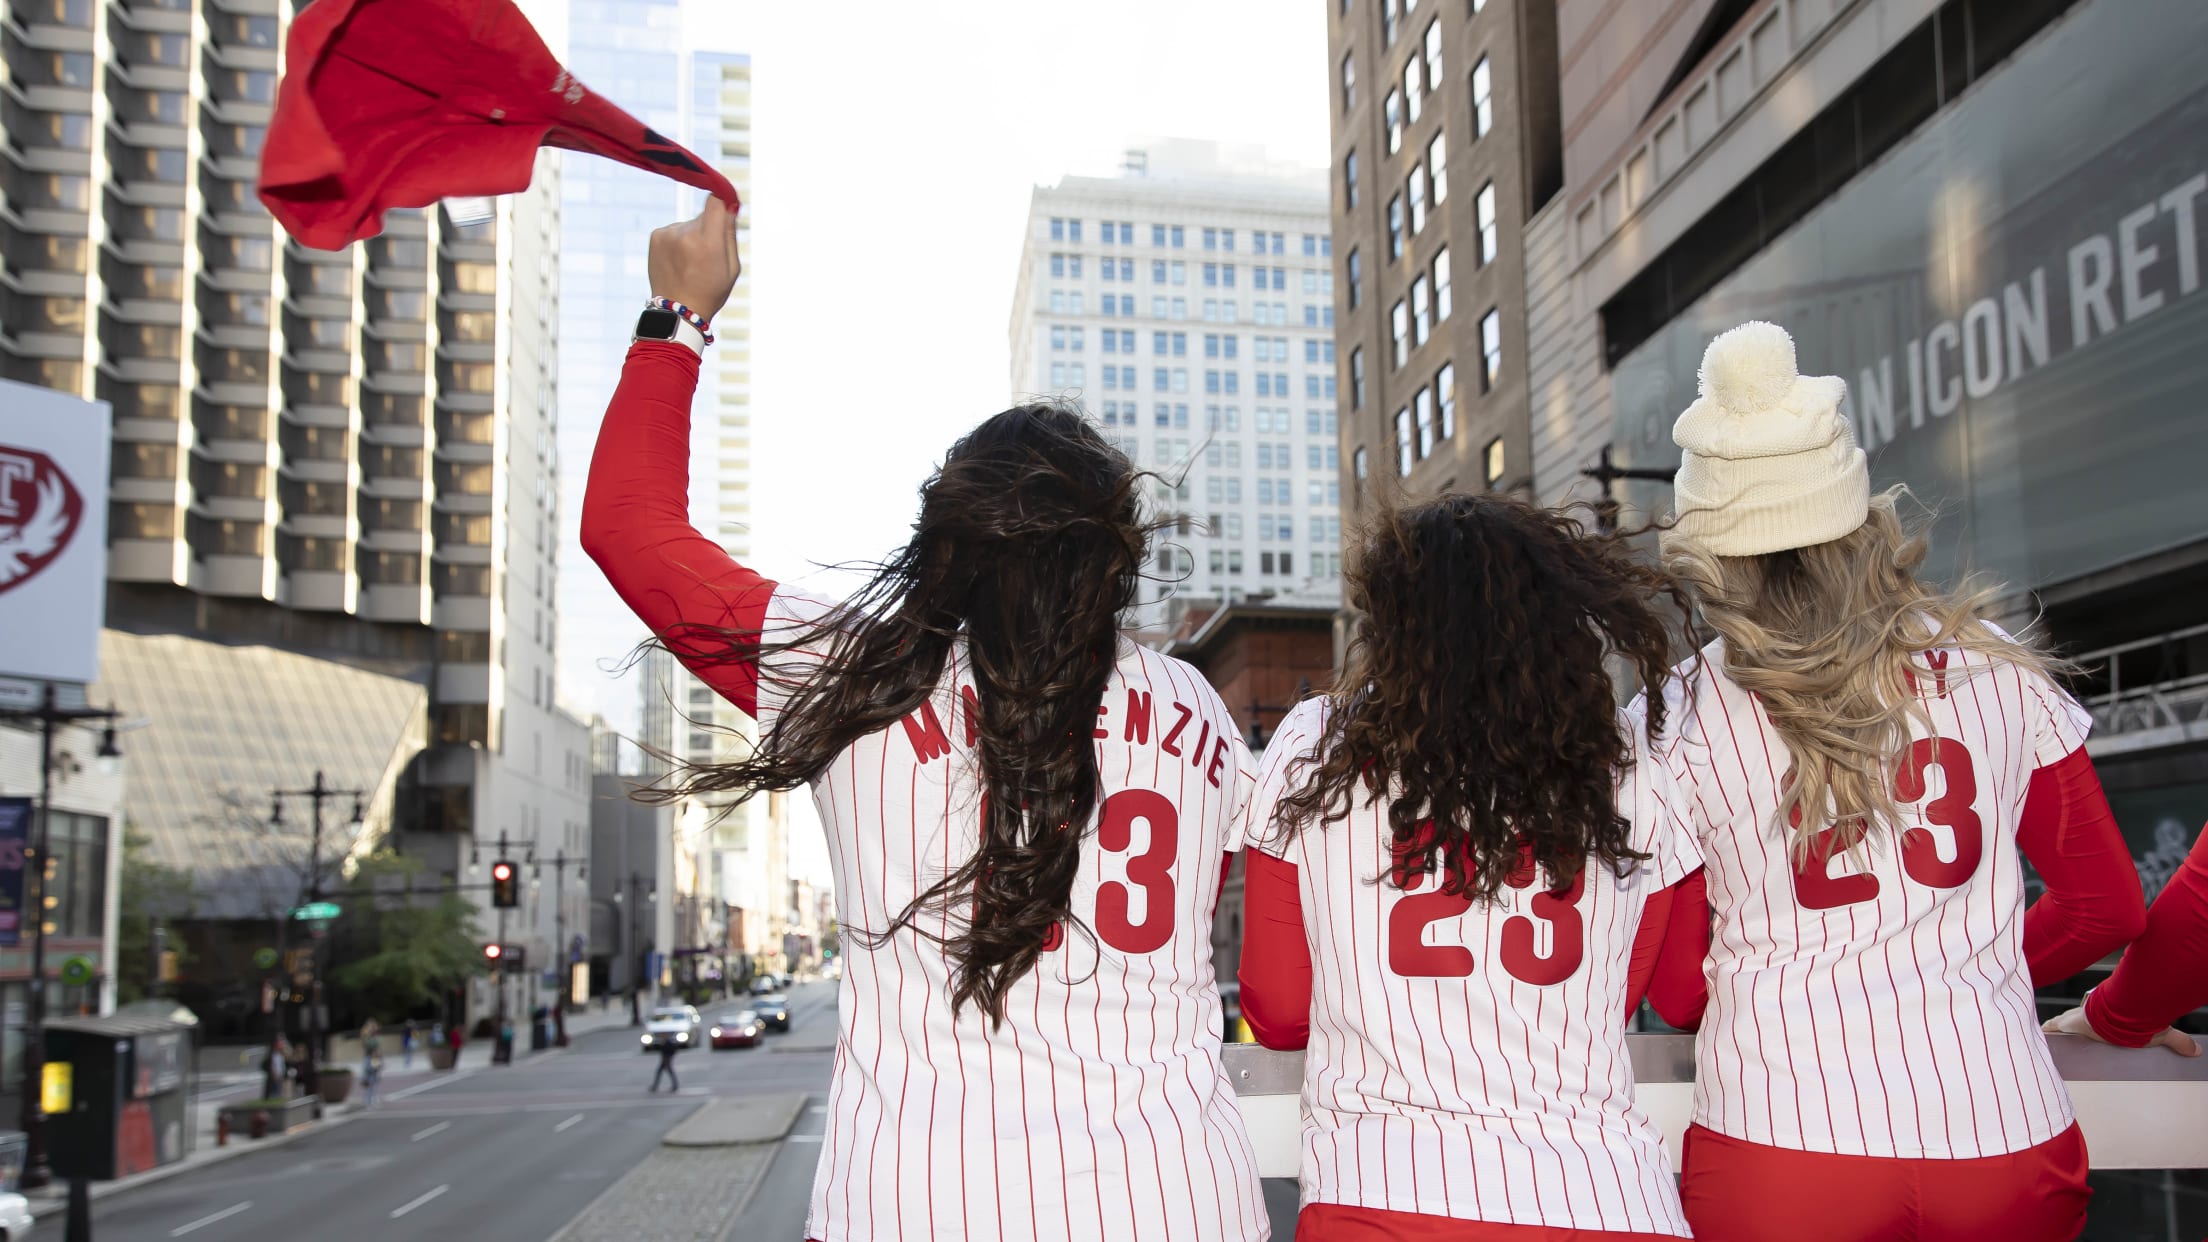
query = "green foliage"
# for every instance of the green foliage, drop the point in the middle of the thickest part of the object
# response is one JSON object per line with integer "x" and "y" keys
{"x": 414, "y": 948}
{"x": 151, "y": 893}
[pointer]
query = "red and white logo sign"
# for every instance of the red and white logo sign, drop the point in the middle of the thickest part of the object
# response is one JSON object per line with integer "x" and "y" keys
{"x": 40, "y": 511}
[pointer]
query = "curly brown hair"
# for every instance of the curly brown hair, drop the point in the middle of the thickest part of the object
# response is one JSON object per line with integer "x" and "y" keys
{"x": 1475, "y": 696}
{"x": 1028, "y": 549}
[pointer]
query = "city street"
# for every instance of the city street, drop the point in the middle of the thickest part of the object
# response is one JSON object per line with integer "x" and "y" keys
{"x": 520, "y": 1152}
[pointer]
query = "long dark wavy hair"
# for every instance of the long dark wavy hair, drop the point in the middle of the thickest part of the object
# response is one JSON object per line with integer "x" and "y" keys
{"x": 1029, "y": 547}
{"x": 1475, "y": 696}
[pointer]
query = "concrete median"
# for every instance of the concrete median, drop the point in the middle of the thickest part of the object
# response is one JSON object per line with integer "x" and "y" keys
{"x": 733, "y": 1122}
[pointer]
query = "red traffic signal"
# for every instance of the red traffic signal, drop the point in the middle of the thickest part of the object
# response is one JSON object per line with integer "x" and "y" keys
{"x": 505, "y": 885}
{"x": 492, "y": 952}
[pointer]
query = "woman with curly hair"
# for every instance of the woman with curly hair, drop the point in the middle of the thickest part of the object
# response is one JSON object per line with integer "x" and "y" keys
{"x": 1026, "y": 814}
{"x": 1864, "y": 754}
{"x": 1461, "y": 873}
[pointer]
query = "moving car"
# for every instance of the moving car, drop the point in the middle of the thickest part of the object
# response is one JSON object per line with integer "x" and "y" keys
{"x": 672, "y": 1024}
{"x": 738, "y": 1028}
{"x": 773, "y": 1009}
{"x": 763, "y": 984}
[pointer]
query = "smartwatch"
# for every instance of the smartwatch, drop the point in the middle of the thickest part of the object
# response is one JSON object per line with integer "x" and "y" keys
{"x": 655, "y": 324}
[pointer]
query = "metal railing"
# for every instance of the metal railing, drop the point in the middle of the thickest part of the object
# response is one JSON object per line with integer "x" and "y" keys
{"x": 2164, "y": 710}
{"x": 2140, "y": 1109}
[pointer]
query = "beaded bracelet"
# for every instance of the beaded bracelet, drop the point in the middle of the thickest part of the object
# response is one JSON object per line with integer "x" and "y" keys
{"x": 691, "y": 317}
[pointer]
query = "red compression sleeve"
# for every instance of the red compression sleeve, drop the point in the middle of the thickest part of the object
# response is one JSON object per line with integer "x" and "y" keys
{"x": 636, "y": 526}
{"x": 1668, "y": 949}
{"x": 1276, "y": 956}
{"x": 2165, "y": 974}
{"x": 2092, "y": 905}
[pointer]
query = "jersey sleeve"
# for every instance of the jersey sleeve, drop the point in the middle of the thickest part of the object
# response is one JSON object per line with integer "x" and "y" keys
{"x": 2092, "y": 905}
{"x": 708, "y": 609}
{"x": 2060, "y": 724}
{"x": 2165, "y": 974}
{"x": 1657, "y": 806}
{"x": 1280, "y": 772}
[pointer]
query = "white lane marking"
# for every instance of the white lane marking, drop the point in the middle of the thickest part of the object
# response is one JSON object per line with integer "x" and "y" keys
{"x": 205, "y": 1221}
{"x": 439, "y": 1128}
{"x": 816, "y": 1110}
{"x": 401, "y": 1211}
{"x": 417, "y": 1088}
{"x": 803, "y": 1138}
{"x": 564, "y": 1126}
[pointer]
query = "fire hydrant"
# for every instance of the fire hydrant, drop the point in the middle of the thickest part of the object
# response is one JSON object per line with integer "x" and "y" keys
{"x": 222, "y": 1129}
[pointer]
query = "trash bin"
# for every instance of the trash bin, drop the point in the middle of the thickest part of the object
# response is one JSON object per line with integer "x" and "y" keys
{"x": 540, "y": 1030}
{"x": 118, "y": 1094}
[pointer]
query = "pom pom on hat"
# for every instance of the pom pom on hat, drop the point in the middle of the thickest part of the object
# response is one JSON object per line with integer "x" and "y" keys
{"x": 1749, "y": 368}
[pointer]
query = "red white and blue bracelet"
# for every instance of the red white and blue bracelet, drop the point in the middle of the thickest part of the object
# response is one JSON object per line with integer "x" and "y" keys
{"x": 691, "y": 317}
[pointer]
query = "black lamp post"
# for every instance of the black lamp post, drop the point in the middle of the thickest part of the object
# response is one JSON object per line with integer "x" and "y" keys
{"x": 629, "y": 947}
{"x": 1606, "y": 473}
{"x": 318, "y": 793}
{"x": 48, "y": 714}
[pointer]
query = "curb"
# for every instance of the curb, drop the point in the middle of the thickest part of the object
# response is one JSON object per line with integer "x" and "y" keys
{"x": 775, "y": 1115}
{"x": 42, "y": 1207}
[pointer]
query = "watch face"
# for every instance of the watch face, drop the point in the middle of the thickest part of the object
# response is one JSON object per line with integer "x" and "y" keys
{"x": 657, "y": 325}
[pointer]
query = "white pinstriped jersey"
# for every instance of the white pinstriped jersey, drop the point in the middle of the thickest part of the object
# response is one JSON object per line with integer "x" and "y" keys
{"x": 1876, "y": 1004}
{"x": 1099, "y": 1109}
{"x": 1469, "y": 1060}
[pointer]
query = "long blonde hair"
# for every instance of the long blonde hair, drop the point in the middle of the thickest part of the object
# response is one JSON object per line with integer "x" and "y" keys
{"x": 1832, "y": 640}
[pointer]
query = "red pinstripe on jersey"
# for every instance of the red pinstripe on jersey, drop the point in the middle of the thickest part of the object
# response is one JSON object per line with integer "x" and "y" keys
{"x": 1888, "y": 1010}
{"x": 1475, "y": 1095}
{"x": 1099, "y": 1109}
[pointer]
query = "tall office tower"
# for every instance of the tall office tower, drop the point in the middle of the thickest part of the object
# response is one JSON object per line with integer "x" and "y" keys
{"x": 1188, "y": 305}
{"x": 1445, "y": 142}
{"x": 342, "y": 455}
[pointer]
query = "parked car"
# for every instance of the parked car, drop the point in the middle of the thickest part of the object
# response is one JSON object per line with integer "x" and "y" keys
{"x": 672, "y": 1024}
{"x": 773, "y": 1009}
{"x": 738, "y": 1028}
{"x": 15, "y": 1217}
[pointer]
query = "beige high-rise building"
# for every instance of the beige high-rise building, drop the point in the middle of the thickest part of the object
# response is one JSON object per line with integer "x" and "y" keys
{"x": 1445, "y": 142}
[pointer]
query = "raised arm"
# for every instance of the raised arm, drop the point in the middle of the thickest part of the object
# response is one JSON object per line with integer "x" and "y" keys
{"x": 635, "y": 523}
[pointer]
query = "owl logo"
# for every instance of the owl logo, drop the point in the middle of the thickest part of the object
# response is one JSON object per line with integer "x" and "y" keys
{"x": 40, "y": 510}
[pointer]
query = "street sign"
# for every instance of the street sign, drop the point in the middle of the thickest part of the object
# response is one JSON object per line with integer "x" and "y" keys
{"x": 316, "y": 910}
{"x": 77, "y": 970}
{"x": 264, "y": 959}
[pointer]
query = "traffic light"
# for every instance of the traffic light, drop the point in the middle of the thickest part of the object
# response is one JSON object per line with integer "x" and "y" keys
{"x": 492, "y": 953}
{"x": 505, "y": 885}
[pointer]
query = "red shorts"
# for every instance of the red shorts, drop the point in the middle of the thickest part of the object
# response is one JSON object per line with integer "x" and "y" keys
{"x": 1338, "y": 1222}
{"x": 1737, "y": 1191}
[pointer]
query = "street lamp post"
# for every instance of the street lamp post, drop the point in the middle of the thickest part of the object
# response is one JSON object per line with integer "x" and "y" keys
{"x": 1606, "y": 473}
{"x": 529, "y": 855}
{"x": 317, "y": 793}
{"x": 48, "y": 714}
{"x": 559, "y": 863}
{"x": 629, "y": 947}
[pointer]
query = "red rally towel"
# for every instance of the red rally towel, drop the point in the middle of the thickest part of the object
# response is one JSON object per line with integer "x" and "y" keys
{"x": 402, "y": 103}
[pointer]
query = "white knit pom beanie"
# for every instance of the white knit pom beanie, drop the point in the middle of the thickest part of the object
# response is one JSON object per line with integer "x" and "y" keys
{"x": 1768, "y": 462}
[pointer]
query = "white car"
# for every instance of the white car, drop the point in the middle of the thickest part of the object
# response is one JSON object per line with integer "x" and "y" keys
{"x": 15, "y": 1217}
{"x": 672, "y": 1024}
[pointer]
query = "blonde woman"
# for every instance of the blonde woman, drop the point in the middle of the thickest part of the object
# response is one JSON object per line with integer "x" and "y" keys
{"x": 1863, "y": 756}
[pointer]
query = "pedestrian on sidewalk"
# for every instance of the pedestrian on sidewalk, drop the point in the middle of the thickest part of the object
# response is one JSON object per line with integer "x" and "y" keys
{"x": 458, "y": 1036}
{"x": 406, "y": 1045}
{"x": 666, "y": 1067}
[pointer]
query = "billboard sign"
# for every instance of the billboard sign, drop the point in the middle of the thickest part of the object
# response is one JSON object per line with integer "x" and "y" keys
{"x": 15, "y": 843}
{"x": 53, "y": 533}
{"x": 2014, "y": 295}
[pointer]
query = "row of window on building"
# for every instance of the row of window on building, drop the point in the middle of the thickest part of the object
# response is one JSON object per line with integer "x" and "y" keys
{"x": 1175, "y": 237}
{"x": 1264, "y": 420}
{"x": 1115, "y": 378}
{"x": 1313, "y": 281}
{"x": 1074, "y": 338}
{"x": 1175, "y": 310}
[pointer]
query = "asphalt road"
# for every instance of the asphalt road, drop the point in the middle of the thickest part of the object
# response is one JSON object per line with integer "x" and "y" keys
{"x": 506, "y": 1153}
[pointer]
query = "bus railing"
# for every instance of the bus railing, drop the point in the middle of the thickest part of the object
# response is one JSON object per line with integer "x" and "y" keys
{"x": 2140, "y": 1109}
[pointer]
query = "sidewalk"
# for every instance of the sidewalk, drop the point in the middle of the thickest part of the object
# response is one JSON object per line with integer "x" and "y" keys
{"x": 475, "y": 1057}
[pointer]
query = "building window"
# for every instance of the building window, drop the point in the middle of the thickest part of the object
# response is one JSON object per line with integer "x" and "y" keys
{"x": 1483, "y": 102}
{"x": 1437, "y": 166}
{"x": 1057, "y": 229}
{"x": 1423, "y": 403}
{"x": 1356, "y": 275}
{"x": 1357, "y": 378}
{"x": 1414, "y": 99}
{"x": 1399, "y": 332}
{"x": 1491, "y": 349}
{"x": 1441, "y": 285}
{"x": 1073, "y": 232}
{"x": 1387, "y": 22}
{"x": 1394, "y": 109}
{"x": 1404, "y": 444}
{"x": 1433, "y": 55}
{"x": 1494, "y": 461}
{"x": 1349, "y": 178}
{"x": 1415, "y": 189}
{"x": 1421, "y": 311}
{"x": 1395, "y": 228}
{"x": 1445, "y": 398}
{"x": 1483, "y": 211}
